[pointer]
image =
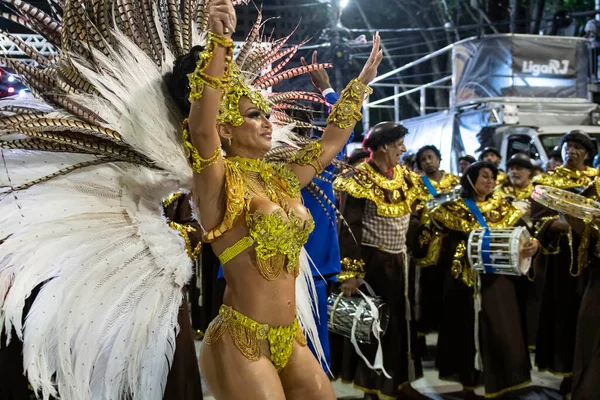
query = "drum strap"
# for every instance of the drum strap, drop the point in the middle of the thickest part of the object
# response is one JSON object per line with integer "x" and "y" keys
{"x": 378, "y": 362}
{"x": 429, "y": 186}
{"x": 485, "y": 242}
{"x": 485, "y": 257}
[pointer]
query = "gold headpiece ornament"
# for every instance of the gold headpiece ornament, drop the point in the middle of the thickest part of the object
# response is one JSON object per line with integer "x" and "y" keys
{"x": 233, "y": 92}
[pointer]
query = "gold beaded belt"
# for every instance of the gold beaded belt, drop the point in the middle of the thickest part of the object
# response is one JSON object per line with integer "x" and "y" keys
{"x": 247, "y": 334}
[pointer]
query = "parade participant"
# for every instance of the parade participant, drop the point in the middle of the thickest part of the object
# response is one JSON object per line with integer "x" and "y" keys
{"x": 435, "y": 182}
{"x": 376, "y": 203}
{"x": 517, "y": 189}
{"x": 274, "y": 222}
{"x": 104, "y": 324}
{"x": 586, "y": 363}
{"x": 491, "y": 154}
{"x": 486, "y": 346}
{"x": 184, "y": 382}
{"x": 464, "y": 162}
{"x": 565, "y": 252}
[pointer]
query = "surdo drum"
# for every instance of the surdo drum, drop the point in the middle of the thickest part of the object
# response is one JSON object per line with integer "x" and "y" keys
{"x": 497, "y": 251}
{"x": 343, "y": 312}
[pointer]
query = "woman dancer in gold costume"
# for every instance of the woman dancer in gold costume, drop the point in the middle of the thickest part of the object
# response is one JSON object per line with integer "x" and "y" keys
{"x": 252, "y": 214}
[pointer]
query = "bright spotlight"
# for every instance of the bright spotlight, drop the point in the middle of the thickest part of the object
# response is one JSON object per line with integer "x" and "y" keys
{"x": 344, "y": 3}
{"x": 11, "y": 89}
{"x": 11, "y": 78}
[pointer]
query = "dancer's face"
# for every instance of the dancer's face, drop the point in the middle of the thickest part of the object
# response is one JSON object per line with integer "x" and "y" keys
{"x": 485, "y": 182}
{"x": 252, "y": 139}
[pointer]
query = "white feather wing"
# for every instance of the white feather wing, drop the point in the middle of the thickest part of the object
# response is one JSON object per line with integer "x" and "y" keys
{"x": 112, "y": 270}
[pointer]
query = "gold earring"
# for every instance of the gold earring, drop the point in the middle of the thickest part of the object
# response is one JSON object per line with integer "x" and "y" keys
{"x": 229, "y": 142}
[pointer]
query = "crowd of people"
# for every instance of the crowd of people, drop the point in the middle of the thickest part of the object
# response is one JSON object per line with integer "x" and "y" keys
{"x": 118, "y": 202}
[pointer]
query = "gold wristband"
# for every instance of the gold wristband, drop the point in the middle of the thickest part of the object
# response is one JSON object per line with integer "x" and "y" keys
{"x": 351, "y": 269}
{"x": 346, "y": 112}
{"x": 195, "y": 161}
{"x": 310, "y": 155}
{"x": 199, "y": 78}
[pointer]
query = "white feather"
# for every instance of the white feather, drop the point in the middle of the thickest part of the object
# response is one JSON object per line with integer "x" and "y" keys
{"x": 104, "y": 323}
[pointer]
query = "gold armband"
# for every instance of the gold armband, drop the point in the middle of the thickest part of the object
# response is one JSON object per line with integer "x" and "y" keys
{"x": 198, "y": 79}
{"x": 195, "y": 161}
{"x": 310, "y": 155}
{"x": 346, "y": 112}
{"x": 351, "y": 269}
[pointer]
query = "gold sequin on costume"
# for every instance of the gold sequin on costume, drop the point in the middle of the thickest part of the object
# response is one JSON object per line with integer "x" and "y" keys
{"x": 346, "y": 111}
{"x": 565, "y": 178}
{"x": 248, "y": 334}
{"x": 456, "y": 216}
{"x": 232, "y": 83}
{"x": 235, "y": 90}
{"x": 433, "y": 241}
{"x": 511, "y": 192}
{"x": 277, "y": 237}
{"x": 446, "y": 184}
{"x": 184, "y": 232}
{"x": 195, "y": 161}
{"x": 351, "y": 269}
{"x": 393, "y": 197}
{"x": 310, "y": 155}
{"x": 460, "y": 267}
{"x": 199, "y": 78}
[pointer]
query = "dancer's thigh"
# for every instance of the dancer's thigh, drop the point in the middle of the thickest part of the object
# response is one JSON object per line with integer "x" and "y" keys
{"x": 231, "y": 376}
{"x": 303, "y": 378}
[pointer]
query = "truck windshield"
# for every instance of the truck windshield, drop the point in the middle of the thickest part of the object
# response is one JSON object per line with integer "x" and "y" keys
{"x": 551, "y": 140}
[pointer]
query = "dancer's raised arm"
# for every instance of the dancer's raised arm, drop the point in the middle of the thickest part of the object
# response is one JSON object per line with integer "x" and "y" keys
{"x": 201, "y": 138}
{"x": 344, "y": 116}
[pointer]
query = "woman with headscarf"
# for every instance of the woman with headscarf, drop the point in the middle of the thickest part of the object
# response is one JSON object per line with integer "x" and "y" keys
{"x": 482, "y": 334}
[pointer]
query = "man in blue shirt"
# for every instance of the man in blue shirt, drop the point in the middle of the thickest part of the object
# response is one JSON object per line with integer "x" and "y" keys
{"x": 322, "y": 246}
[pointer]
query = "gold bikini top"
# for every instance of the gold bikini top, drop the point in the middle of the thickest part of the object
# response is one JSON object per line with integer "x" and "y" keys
{"x": 278, "y": 236}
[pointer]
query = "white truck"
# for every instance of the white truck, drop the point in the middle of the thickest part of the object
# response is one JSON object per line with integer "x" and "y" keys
{"x": 517, "y": 93}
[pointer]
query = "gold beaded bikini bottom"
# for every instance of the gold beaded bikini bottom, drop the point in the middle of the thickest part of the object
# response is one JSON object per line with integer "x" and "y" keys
{"x": 247, "y": 335}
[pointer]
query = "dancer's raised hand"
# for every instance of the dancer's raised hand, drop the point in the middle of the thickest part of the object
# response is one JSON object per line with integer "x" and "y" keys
{"x": 221, "y": 17}
{"x": 369, "y": 71}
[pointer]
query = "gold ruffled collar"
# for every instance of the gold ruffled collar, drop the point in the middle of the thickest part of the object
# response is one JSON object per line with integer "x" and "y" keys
{"x": 393, "y": 197}
{"x": 565, "y": 178}
{"x": 509, "y": 191}
{"x": 456, "y": 216}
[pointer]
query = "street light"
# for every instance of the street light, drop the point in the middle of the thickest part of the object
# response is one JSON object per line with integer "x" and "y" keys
{"x": 344, "y": 3}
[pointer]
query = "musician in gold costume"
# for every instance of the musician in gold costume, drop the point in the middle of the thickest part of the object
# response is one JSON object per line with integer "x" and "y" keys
{"x": 517, "y": 189}
{"x": 252, "y": 214}
{"x": 434, "y": 183}
{"x": 487, "y": 346}
{"x": 565, "y": 253}
{"x": 586, "y": 363}
{"x": 376, "y": 203}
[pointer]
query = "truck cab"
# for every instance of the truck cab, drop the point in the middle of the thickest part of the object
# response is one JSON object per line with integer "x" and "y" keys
{"x": 517, "y": 93}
